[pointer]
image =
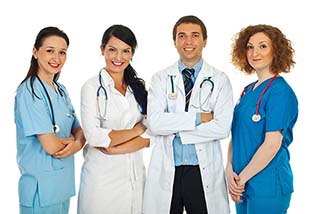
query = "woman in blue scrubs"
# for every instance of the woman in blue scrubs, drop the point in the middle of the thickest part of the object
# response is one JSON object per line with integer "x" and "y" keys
{"x": 48, "y": 131}
{"x": 258, "y": 171}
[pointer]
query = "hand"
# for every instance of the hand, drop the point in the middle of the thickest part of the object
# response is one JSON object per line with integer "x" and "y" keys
{"x": 109, "y": 151}
{"x": 206, "y": 116}
{"x": 235, "y": 190}
{"x": 71, "y": 147}
{"x": 103, "y": 150}
{"x": 139, "y": 128}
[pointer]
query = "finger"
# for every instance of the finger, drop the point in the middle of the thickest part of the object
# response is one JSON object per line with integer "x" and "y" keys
{"x": 66, "y": 142}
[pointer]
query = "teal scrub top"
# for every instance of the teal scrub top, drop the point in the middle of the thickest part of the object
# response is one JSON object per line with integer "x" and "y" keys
{"x": 52, "y": 177}
{"x": 279, "y": 111}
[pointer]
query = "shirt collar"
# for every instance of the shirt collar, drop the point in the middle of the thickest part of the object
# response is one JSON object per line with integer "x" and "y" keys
{"x": 197, "y": 67}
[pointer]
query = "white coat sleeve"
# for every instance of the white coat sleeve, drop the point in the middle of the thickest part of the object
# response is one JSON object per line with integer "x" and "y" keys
{"x": 219, "y": 127}
{"x": 96, "y": 136}
{"x": 160, "y": 120}
{"x": 149, "y": 134}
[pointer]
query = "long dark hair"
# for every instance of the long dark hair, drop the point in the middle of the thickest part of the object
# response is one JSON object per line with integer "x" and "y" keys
{"x": 42, "y": 35}
{"x": 130, "y": 75}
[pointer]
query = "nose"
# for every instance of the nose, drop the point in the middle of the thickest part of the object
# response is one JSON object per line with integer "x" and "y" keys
{"x": 255, "y": 51}
{"x": 56, "y": 57}
{"x": 118, "y": 55}
{"x": 189, "y": 39}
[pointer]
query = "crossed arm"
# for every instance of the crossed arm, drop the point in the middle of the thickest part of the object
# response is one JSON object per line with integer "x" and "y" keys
{"x": 62, "y": 147}
{"x": 126, "y": 141}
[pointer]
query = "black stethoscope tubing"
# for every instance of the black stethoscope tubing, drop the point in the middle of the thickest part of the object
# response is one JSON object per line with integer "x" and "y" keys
{"x": 54, "y": 125}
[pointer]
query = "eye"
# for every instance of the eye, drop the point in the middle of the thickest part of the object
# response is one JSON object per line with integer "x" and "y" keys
{"x": 127, "y": 51}
{"x": 196, "y": 35}
{"x": 181, "y": 36}
{"x": 249, "y": 47}
{"x": 111, "y": 49}
{"x": 62, "y": 53}
{"x": 50, "y": 51}
{"x": 263, "y": 46}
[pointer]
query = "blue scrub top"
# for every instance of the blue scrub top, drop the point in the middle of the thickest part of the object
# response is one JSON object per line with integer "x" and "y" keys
{"x": 279, "y": 111}
{"x": 52, "y": 177}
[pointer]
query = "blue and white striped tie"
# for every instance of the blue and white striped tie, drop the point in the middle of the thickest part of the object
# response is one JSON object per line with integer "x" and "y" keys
{"x": 188, "y": 84}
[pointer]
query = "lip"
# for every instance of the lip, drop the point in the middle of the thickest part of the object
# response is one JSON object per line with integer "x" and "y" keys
{"x": 118, "y": 64}
{"x": 54, "y": 65}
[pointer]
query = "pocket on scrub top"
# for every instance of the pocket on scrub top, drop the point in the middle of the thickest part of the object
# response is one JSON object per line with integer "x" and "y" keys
{"x": 264, "y": 184}
{"x": 27, "y": 189}
{"x": 55, "y": 186}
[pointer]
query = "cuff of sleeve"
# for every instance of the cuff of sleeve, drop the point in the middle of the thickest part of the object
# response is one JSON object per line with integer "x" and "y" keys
{"x": 198, "y": 119}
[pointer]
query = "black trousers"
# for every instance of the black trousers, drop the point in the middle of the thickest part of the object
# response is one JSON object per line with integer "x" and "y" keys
{"x": 188, "y": 191}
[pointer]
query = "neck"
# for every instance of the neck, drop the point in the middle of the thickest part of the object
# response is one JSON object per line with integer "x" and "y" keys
{"x": 119, "y": 84}
{"x": 262, "y": 76}
{"x": 47, "y": 78}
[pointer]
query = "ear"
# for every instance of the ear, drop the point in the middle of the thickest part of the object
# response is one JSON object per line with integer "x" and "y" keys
{"x": 35, "y": 53}
{"x": 205, "y": 43}
{"x": 102, "y": 50}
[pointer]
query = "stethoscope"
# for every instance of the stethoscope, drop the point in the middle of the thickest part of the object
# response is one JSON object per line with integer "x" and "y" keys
{"x": 173, "y": 94}
{"x": 55, "y": 126}
{"x": 103, "y": 89}
{"x": 256, "y": 117}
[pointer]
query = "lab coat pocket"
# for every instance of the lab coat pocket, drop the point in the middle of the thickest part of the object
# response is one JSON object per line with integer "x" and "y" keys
{"x": 166, "y": 176}
{"x": 171, "y": 105}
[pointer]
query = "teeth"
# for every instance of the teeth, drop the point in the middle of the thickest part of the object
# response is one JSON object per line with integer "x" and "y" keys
{"x": 117, "y": 63}
{"x": 188, "y": 49}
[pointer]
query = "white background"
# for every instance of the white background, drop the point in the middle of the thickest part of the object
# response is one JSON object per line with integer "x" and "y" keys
{"x": 152, "y": 22}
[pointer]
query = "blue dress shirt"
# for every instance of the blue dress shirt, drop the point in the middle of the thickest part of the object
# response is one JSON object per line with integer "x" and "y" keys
{"x": 185, "y": 154}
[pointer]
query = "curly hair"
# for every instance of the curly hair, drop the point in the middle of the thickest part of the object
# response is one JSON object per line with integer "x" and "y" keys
{"x": 281, "y": 48}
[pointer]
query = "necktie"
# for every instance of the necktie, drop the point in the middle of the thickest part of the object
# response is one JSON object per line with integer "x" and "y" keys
{"x": 188, "y": 84}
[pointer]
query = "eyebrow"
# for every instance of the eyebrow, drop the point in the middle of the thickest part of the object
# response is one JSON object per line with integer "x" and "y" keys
{"x": 56, "y": 47}
{"x": 258, "y": 43}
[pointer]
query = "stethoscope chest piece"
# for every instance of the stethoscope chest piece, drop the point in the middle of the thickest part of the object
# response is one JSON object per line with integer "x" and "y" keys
{"x": 256, "y": 118}
{"x": 172, "y": 95}
{"x": 56, "y": 128}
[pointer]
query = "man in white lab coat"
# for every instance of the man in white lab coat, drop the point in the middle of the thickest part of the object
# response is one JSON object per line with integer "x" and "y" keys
{"x": 190, "y": 107}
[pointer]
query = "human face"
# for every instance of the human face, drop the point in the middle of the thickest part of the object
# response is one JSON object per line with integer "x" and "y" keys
{"x": 51, "y": 56}
{"x": 259, "y": 52}
{"x": 117, "y": 55}
{"x": 189, "y": 43}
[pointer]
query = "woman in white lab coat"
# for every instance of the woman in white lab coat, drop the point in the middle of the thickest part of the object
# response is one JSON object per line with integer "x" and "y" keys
{"x": 167, "y": 117}
{"x": 112, "y": 107}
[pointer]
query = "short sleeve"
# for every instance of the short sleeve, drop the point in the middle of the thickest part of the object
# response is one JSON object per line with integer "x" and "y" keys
{"x": 281, "y": 109}
{"x": 32, "y": 113}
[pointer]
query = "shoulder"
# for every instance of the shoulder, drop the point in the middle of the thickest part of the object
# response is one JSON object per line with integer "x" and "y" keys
{"x": 216, "y": 73}
{"x": 281, "y": 87}
{"x": 281, "y": 84}
{"x": 171, "y": 69}
{"x": 91, "y": 82}
{"x": 28, "y": 89}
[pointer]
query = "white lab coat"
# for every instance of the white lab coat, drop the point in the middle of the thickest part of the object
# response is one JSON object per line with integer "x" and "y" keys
{"x": 109, "y": 183}
{"x": 167, "y": 117}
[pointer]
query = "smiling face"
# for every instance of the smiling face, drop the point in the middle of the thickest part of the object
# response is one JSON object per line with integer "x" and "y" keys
{"x": 259, "y": 52}
{"x": 117, "y": 55}
{"x": 51, "y": 56}
{"x": 189, "y": 43}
